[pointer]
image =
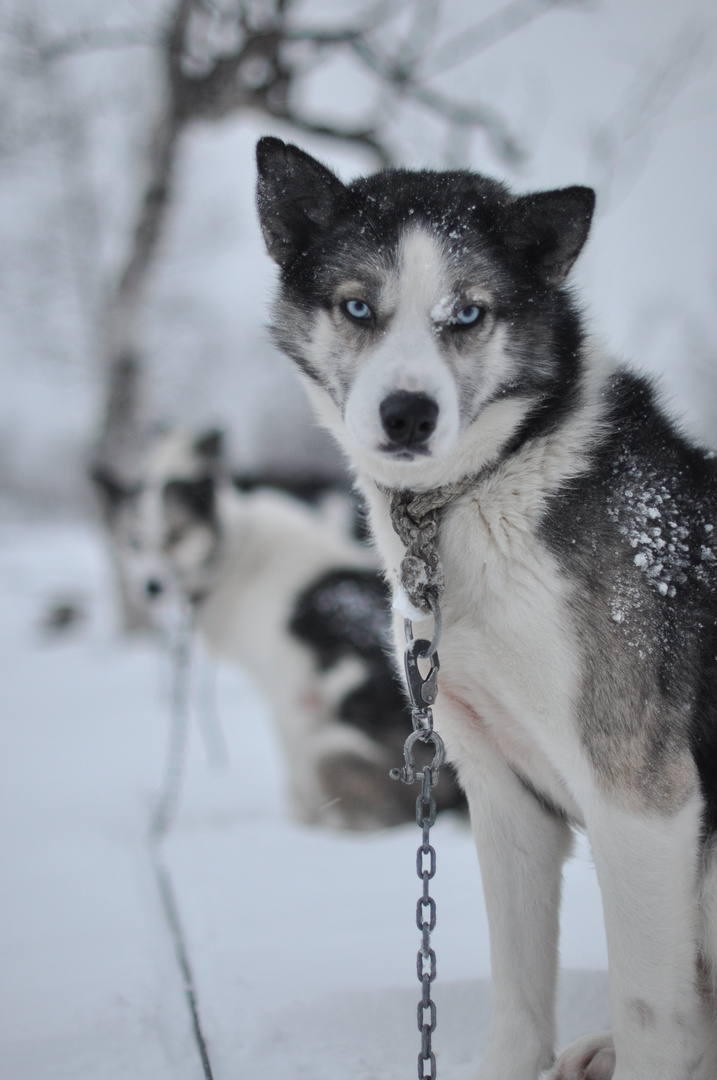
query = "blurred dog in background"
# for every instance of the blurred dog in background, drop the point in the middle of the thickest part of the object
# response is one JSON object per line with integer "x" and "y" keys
{"x": 279, "y": 585}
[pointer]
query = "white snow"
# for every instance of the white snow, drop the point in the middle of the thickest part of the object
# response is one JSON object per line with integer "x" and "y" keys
{"x": 403, "y": 605}
{"x": 302, "y": 941}
{"x": 443, "y": 310}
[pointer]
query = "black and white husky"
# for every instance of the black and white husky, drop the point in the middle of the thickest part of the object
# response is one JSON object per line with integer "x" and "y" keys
{"x": 428, "y": 316}
{"x": 279, "y": 588}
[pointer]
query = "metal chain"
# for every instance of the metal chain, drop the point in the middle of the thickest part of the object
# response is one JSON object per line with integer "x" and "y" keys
{"x": 422, "y": 692}
{"x": 416, "y": 519}
{"x": 426, "y": 921}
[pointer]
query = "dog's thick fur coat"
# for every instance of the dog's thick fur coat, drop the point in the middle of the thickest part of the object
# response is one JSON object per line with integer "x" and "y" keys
{"x": 429, "y": 319}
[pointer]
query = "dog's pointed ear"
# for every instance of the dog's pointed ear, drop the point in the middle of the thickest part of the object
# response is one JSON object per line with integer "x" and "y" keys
{"x": 296, "y": 197}
{"x": 210, "y": 444}
{"x": 112, "y": 491}
{"x": 548, "y": 229}
{"x": 197, "y": 497}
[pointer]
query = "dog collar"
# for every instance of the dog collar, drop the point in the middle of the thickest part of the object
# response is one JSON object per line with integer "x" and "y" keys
{"x": 415, "y": 518}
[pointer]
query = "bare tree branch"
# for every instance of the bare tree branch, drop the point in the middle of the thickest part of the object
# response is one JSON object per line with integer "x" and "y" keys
{"x": 494, "y": 28}
{"x": 96, "y": 39}
{"x": 253, "y": 77}
{"x": 368, "y": 138}
{"x": 488, "y": 120}
{"x": 207, "y": 80}
{"x": 220, "y": 58}
{"x": 419, "y": 37}
{"x": 257, "y": 75}
{"x": 225, "y": 56}
{"x": 620, "y": 145}
{"x": 375, "y": 16}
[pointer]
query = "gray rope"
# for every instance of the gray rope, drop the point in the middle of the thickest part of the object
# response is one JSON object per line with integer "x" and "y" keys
{"x": 415, "y": 518}
{"x": 163, "y": 819}
{"x": 168, "y": 803}
{"x": 171, "y": 913}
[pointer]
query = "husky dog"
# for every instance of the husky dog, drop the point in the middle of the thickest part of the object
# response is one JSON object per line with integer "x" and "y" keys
{"x": 428, "y": 315}
{"x": 281, "y": 590}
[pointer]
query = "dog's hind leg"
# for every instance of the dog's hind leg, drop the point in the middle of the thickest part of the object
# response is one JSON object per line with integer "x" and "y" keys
{"x": 648, "y": 870}
{"x": 521, "y": 850}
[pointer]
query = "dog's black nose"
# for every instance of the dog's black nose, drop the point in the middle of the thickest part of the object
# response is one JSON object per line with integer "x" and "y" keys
{"x": 153, "y": 588}
{"x": 408, "y": 419}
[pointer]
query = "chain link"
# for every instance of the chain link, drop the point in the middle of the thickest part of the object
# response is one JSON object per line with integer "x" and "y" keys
{"x": 422, "y": 690}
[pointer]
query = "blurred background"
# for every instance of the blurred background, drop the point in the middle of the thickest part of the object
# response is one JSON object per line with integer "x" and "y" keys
{"x": 126, "y": 193}
{"x": 134, "y": 289}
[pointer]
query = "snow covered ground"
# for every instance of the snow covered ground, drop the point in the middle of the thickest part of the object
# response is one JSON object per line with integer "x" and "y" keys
{"x": 302, "y": 941}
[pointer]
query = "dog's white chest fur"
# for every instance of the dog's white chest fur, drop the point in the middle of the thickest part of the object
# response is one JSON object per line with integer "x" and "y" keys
{"x": 509, "y": 674}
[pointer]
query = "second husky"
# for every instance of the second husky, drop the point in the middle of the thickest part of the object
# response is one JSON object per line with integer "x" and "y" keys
{"x": 278, "y": 587}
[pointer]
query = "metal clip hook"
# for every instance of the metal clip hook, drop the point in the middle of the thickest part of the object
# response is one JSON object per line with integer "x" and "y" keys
{"x": 422, "y": 690}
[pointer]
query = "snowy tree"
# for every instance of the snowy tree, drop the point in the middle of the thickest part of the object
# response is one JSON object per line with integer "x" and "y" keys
{"x": 106, "y": 107}
{"x": 220, "y": 57}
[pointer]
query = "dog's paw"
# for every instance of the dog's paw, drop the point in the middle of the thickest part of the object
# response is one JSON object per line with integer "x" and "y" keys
{"x": 590, "y": 1058}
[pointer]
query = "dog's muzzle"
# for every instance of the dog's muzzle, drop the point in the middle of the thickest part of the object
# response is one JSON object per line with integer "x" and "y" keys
{"x": 153, "y": 588}
{"x": 408, "y": 419}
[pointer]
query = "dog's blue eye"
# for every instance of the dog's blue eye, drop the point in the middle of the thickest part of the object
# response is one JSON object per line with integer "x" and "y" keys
{"x": 357, "y": 309}
{"x": 468, "y": 315}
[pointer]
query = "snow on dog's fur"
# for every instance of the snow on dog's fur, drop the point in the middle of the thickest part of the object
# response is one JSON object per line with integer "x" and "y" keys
{"x": 282, "y": 590}
{"x": 429, "y": 319}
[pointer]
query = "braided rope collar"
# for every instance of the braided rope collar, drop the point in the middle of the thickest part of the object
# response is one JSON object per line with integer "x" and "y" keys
{"x": 415, "y": 518}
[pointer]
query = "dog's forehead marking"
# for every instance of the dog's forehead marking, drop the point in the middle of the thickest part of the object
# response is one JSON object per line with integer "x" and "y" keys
{"x": 146, "y": 519}
{"x": 171, "y": 456}
{"x": 423, "y": 277}
{"x": 431, "y": 282}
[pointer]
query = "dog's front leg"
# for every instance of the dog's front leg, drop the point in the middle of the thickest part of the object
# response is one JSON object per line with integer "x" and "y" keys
{"x": 647, "y": 866}
{"x": 521, "y": 849}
